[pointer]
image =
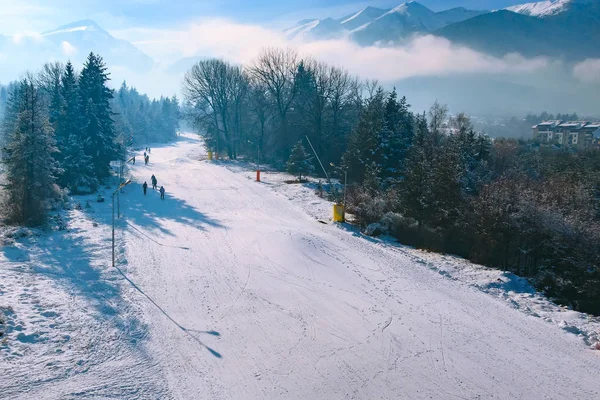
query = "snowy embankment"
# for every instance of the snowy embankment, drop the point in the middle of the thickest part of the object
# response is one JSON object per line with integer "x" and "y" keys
{"x": 517, "y": 292}
{"x": 232, "y": 289}
{"x": 69, "y": 327}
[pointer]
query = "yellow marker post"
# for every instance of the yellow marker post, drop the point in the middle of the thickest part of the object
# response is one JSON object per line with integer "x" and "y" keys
{"x": 210, "y": 156}
{"x": 338, "y": 213}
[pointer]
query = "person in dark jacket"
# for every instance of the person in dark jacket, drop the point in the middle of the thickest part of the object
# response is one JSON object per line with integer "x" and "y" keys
{"x": 162, "y": 192}
{"x": 145, "y": 187}
{"x": 154, "y": 182}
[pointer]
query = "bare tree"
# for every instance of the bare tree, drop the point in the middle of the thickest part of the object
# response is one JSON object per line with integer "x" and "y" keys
{"x": 49, "y": 77}
{"x": 262, "y": 109}
{"x": 216, "y": 89}
{"x": 238, "y": 87}
{"x": 438, "y": 114}
{"x": 276, "y": 69}
{"x": 461, "y": 123}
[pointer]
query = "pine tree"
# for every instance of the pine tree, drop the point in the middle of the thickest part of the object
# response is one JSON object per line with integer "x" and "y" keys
{"x": 446, "y": 185}
{"x": 396, "y": 137}
{"x": 299, "y": 162}
{"x": 28, "y": 158}
{"x": 68, "y": 118}
{"x": 12, "y": 109}
{"x": 78, "y": 174}
{"x": 416, "y": 189}
{"x": 365, "y": 139}
{"x": 97, "y": 122}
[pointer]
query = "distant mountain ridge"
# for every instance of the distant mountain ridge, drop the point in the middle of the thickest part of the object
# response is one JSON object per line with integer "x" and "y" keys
{"x": 87, "y": 35}
{"x": 73, "y": 42}
{"x": 373, "y": 25}
{"x": 568, "y": 29}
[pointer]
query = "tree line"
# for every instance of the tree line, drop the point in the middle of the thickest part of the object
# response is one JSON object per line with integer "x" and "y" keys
{"x": 143, "y": 120}
{"x": 429, "y": 179}
{"x": 62, "y": 128}
{"x": 272, "y": 104}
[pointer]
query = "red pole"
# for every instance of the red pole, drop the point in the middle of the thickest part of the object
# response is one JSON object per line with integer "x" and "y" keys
{"x": 258, "y": 175}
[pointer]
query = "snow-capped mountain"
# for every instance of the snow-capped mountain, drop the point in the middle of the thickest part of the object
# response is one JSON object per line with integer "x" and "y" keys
{"x": 383, "y": 26}
{"x": 73, "y": 42}
{"x": 327, "y": 28}
{"x": 546, "y": 8}
{"x": 397, "y": 24}
{"x": 84, "y": 36}
{"x": 568, "y": 29}
{"x": 362, "y": 17}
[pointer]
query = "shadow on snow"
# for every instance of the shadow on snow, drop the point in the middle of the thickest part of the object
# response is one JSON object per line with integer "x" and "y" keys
{"x": 148, "y": 211}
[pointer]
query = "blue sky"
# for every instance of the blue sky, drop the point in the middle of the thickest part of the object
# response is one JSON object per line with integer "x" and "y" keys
{"x": 38, "y": 15}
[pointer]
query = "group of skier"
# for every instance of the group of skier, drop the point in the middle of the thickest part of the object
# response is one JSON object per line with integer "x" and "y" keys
{"x": 153, "y": 179}
{"x": 146, "y": 156}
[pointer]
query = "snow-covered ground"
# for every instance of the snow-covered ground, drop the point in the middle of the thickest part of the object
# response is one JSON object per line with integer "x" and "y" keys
{"x": 232, "y": 289}
{"x": 516, "y": 291}
{"x": 70, "y": 327}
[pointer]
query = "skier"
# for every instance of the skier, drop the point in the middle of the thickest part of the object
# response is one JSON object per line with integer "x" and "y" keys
{"x": 162, "y": 192}
{"x": 149, "y": 150}
{"x": 144, "y": 154}
{"x": 147, "y": 159}
{"x": 154, "y": 182}
{"x": 145, "y": 187}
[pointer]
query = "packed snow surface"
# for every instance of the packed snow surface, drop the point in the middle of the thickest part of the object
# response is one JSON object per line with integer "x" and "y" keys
{"x": 233, "y": 289}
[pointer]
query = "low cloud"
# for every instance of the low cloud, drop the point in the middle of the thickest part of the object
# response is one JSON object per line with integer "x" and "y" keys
{"x": 241, "y": 43}
{"x": 422, "y": 56}
{"x": 68, "y": 49}
{"x": 27, "y": 37}
{"x": 588, "y": 71}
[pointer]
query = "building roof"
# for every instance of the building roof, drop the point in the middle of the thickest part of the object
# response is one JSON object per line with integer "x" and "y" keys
{"x": 592, "y": 125}
{"x": 572, "y": 124}
{"x": 547, "y": 124}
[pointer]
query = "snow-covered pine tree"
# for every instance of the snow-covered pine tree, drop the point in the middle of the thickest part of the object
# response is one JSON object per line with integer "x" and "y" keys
{"x": 3, "y": 99}
{"x": 28, "y": 157}
{"x": 299, "y": 162}
{"x": 12, "y": 108}
{"x": 97, "y": 122}
{"x": 78, "y": 173}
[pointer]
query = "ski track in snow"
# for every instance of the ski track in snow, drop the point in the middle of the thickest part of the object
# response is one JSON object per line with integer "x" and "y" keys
{"x": 236, "y": 291}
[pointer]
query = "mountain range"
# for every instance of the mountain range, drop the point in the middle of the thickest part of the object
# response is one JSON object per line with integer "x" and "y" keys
{"x": 568, "y": 29}
{"x": 373, "y": 25}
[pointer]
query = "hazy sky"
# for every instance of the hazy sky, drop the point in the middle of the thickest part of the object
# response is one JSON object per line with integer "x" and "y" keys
{"x": 175, "y": 32}
{"x": 18, "y": 16}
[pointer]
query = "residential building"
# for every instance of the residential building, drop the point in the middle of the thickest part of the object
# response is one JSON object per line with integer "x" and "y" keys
{"x": 580, "y": 134}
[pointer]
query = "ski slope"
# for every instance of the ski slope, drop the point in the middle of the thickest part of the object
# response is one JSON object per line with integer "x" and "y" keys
{"x": 246, "y": 296}
{"x": 232, "y": 289}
